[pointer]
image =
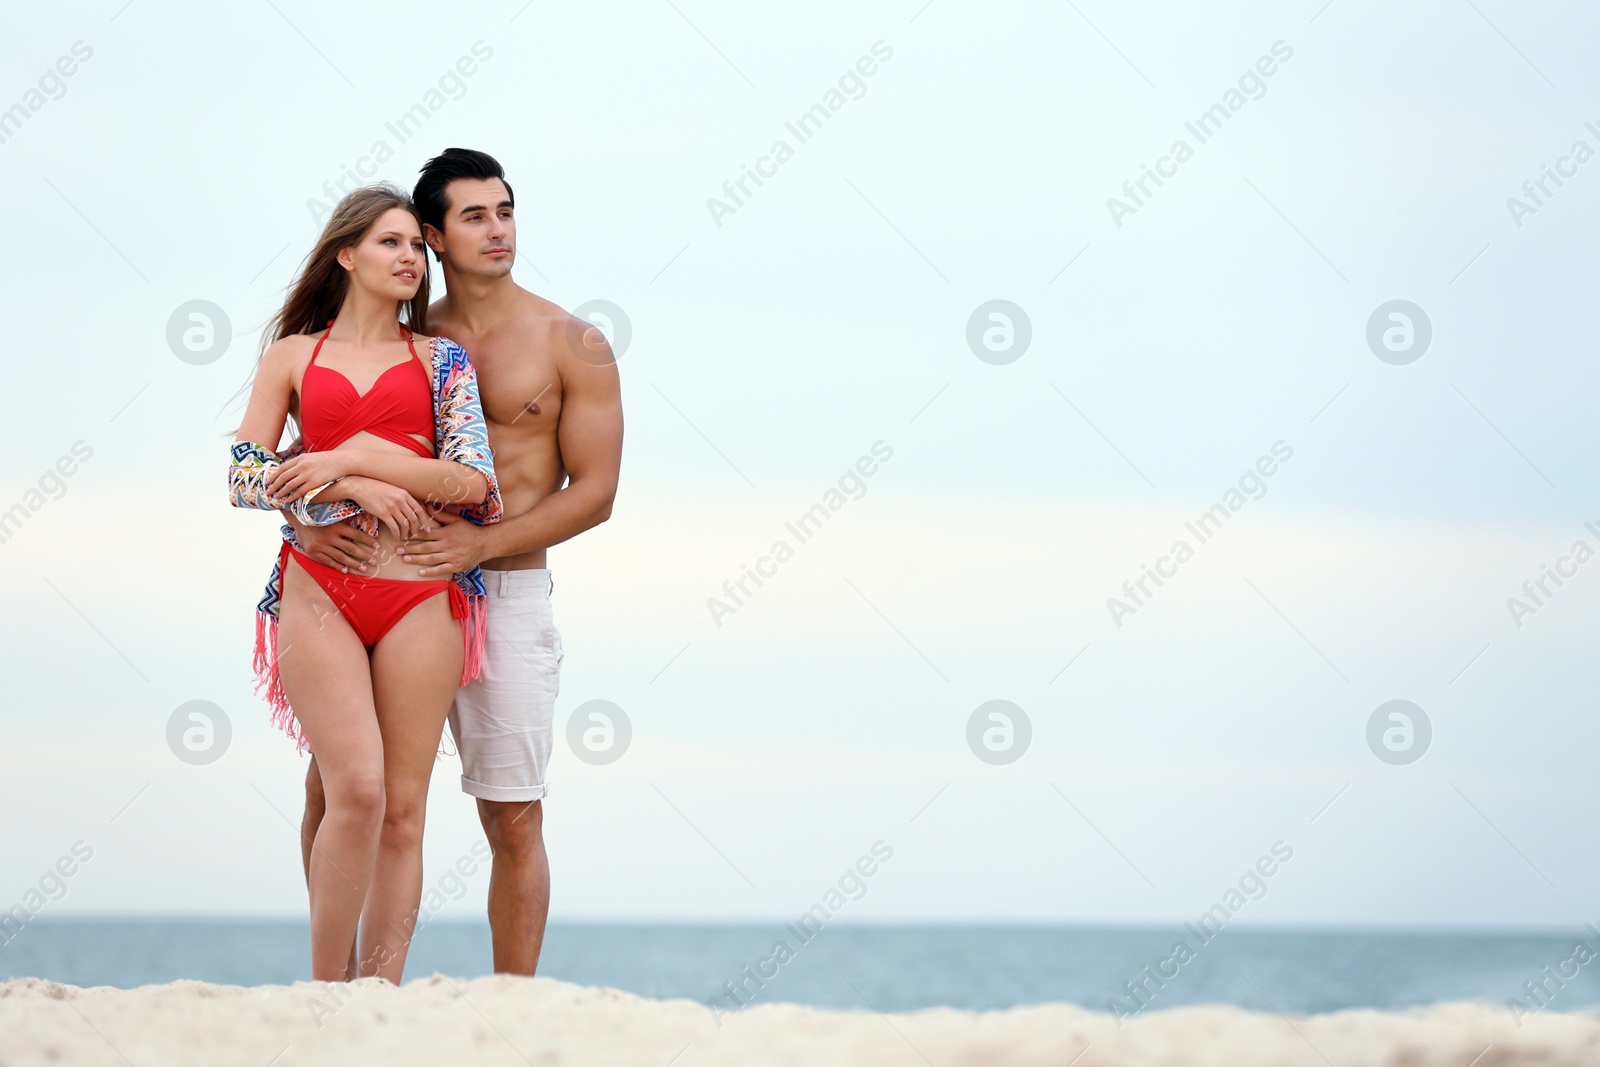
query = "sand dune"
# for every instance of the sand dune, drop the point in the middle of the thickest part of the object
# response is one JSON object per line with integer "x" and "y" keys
{"x": 504, "y": 1020}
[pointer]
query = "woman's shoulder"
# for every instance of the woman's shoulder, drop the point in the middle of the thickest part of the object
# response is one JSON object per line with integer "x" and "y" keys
{"x": 444, "y": 349}
{"x": 289, "y": 351}
{"x": 292, "y": 341}
{"x": 436, "y": 339}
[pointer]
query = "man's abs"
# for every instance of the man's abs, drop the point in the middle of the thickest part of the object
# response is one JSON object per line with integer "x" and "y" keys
{"x": 528, "y": 467}
{"x": 518, "y": 379}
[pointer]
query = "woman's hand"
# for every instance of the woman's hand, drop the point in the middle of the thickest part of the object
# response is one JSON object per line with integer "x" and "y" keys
{"x": 296, "y": 477}
{"x": 388, "y": 504}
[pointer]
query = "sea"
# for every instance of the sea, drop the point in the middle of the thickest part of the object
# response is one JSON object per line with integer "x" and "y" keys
{"x": 883, "y": 968}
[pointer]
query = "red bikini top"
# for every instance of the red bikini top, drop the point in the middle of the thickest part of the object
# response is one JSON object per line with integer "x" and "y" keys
{"x": 398, "y": 405}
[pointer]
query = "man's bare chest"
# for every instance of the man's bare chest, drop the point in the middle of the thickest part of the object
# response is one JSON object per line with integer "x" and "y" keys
{"x": 522, "y": 391}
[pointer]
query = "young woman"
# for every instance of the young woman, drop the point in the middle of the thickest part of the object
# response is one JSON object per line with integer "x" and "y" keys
{"x": 362, "y": 667}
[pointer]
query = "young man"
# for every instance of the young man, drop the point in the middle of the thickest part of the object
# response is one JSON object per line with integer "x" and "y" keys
{"x": 552, "y": 401}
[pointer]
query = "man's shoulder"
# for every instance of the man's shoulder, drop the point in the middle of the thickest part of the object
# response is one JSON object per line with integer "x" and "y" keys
{"x": 529, "y": 311}
{"x": 550, "y": 328}
{"x": 533, "y": 326}
{"x": 573, "y": 340}
{"x": 536, "y": 312}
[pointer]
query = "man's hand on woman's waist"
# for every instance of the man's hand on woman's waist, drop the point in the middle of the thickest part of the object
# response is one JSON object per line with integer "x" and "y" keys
{"x": 453, "y": 545}
{"x": 340, "y": 545}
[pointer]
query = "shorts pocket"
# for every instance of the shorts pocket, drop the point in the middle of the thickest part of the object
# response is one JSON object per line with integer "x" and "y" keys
{"x": 549, "y": 636}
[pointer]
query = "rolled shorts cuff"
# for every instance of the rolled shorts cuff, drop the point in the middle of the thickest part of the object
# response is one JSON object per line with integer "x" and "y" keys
{"x": 506, "y": 793}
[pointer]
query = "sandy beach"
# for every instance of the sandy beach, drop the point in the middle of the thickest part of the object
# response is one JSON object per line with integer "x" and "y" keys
{"x": 507, "y": 1020}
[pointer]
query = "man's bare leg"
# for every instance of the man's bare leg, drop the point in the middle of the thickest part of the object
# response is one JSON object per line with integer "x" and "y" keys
{"x": 316, "y": 806}
{"x": 519, "y": 882}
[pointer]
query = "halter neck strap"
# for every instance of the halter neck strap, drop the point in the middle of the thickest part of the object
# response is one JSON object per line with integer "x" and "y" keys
{"x": 405, "y": 332}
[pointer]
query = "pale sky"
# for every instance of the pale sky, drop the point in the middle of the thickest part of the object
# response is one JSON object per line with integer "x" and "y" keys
{"x": 771, "y": 348}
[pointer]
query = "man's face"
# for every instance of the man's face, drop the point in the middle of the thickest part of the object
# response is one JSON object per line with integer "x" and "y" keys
{"x": 480, "y": 233}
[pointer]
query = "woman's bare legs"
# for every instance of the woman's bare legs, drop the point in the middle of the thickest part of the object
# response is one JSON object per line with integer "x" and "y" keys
{"x": 327, "y": 679}
{"x": 316, "y": 804}
{"x": 415, "y": 669}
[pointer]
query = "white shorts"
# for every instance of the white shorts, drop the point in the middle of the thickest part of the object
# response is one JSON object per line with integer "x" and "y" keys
{"x": 503, "y": 722}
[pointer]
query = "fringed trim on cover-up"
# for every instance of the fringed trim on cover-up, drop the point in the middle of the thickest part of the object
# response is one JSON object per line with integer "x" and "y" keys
{"x": 270, "y": 685}
{"x": 472, "y": 610}
{"x": 474, "y": 632}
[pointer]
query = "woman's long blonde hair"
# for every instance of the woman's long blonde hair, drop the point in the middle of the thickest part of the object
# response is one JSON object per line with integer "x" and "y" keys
{"x": 316, "y": 295}
{"x": 318, "y": 292}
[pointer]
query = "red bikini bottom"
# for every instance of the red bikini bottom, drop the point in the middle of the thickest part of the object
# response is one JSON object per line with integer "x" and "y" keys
{"x": 373, "y": 605}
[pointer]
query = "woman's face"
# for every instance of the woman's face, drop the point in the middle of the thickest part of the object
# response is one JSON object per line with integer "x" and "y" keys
{"x": 388, "y": 260}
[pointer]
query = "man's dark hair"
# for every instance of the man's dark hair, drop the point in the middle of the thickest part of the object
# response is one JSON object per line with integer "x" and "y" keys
{"x": 445, "y": 168}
